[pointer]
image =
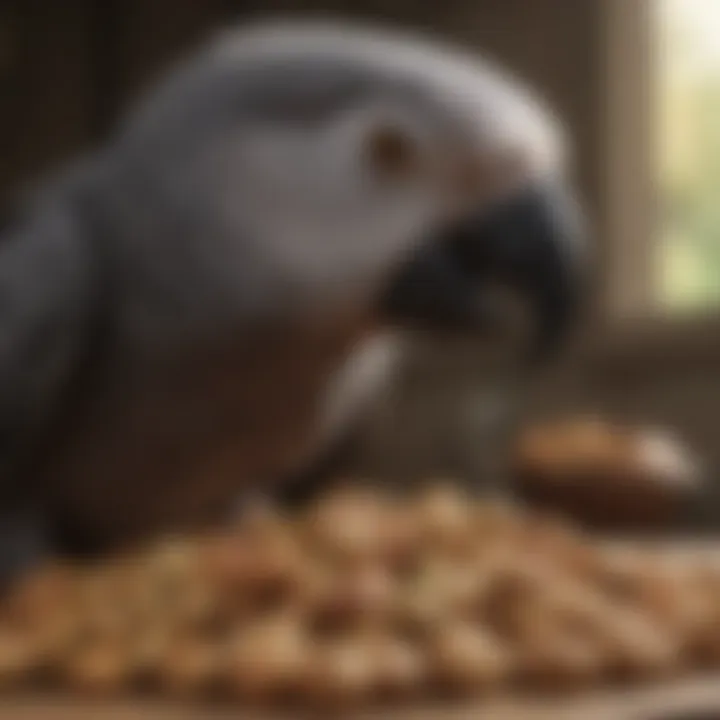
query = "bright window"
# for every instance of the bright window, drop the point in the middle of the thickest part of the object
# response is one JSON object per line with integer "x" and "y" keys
{"x": 689, "y": 152}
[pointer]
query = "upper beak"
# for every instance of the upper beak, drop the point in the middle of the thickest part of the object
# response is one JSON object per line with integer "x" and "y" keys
{"x": 533, "y": 243}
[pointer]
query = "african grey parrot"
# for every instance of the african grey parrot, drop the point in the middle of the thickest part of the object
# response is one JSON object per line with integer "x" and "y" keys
{"x": 198, "y": 309}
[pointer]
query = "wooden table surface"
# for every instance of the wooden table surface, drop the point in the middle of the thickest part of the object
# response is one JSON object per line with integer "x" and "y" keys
{"x": 684, "y": 700}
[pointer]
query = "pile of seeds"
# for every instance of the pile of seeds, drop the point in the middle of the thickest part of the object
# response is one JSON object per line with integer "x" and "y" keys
{"x": 363, "y": 599}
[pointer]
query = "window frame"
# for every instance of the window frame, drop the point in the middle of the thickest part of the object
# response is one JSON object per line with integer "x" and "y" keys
{"x": 628, "y": 142}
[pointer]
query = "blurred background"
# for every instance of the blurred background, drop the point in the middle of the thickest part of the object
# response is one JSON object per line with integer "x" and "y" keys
{"x": 638, "y": 83}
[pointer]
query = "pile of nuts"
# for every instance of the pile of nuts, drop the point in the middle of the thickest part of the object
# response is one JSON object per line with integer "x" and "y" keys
{"x": 363, "y": 599}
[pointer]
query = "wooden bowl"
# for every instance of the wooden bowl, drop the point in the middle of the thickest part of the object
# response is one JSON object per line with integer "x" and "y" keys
{"x": 606, "y": 476}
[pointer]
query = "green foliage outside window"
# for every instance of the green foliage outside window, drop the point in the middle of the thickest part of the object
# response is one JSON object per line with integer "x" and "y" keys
{"x": 689, "y": 150}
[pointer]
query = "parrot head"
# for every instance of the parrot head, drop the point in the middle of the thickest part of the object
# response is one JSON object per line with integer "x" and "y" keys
{"x": 337, "y": 166}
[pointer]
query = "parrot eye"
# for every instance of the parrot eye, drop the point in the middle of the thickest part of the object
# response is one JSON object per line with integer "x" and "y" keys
{"x": 392, "y": 152}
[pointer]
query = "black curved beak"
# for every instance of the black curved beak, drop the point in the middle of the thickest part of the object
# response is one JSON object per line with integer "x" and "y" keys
{"x": 534, "y": 244}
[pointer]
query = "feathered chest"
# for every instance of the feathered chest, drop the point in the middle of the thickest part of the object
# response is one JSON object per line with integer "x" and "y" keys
{"x": 174, "y": 443}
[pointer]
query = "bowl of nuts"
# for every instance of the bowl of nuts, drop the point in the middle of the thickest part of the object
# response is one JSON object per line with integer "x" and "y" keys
{"x": 607, "y": 475}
